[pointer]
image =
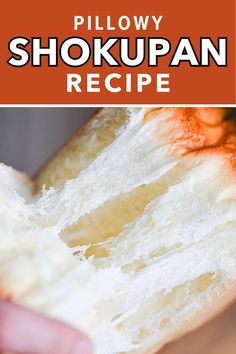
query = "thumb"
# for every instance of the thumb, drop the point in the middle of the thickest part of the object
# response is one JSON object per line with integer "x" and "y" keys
{"x": 25, "y": 331}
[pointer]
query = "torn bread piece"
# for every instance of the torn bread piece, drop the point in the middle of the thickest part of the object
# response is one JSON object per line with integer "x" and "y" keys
{"x": 81, "y": 149}
{"x": 138, "y": 246}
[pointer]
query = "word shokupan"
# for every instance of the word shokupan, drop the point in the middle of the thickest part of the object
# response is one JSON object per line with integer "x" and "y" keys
{"x": 100, "y": 52}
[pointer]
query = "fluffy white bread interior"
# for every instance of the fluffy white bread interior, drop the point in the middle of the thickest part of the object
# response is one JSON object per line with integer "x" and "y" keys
{"x": 140, "y": 242}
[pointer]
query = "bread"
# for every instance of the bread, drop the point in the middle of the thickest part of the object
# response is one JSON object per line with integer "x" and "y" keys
{"x": 132, "y": 239}
{"x": 81, "y": 148}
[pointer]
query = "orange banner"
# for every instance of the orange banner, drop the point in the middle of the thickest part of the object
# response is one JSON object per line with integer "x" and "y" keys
{"x": 123, "y": 52}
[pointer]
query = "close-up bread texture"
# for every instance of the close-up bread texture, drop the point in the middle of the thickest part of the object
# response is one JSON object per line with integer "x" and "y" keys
{"x": 129, "y": 231}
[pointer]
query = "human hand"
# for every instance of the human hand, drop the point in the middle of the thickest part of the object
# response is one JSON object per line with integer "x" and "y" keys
{"x": 23, "y": 331}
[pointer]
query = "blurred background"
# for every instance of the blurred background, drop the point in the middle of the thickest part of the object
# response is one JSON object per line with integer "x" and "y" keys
{"x": 30, "y": 136}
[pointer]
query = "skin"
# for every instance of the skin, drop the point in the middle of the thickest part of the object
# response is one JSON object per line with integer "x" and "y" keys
{"x": 23, "y": 331}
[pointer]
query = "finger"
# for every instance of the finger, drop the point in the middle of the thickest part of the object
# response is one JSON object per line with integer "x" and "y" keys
{"x": 25, "y": 331}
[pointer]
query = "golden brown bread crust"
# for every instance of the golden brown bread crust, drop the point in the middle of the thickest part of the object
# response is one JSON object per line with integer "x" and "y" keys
{"x": 192, "y": 129}
{"x": 186, "y": 129}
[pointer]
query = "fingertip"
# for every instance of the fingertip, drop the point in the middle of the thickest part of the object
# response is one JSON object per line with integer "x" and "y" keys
{"x": 82, "y": 346}
{"x": 25, "y": 331}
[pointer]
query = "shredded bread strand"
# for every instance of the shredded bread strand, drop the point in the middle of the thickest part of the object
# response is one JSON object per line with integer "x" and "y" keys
{"x": 133, "y": 285}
